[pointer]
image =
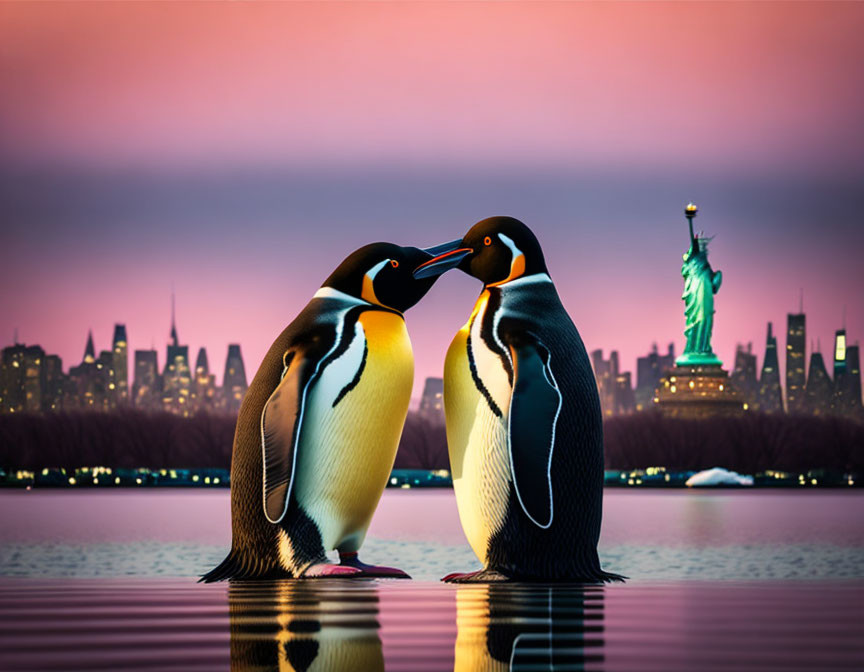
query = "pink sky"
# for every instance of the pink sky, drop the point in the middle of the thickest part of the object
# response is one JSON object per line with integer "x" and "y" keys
{"x": 133, "y": 135}
{"x": 194, "y": 83}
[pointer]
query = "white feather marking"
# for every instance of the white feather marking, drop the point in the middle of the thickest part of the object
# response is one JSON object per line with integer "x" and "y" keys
{"x": 515, "y": 252}
{"x": 340, "y": 322}
{"x": 488, "y": 364}
{"x": 373, "y": 272}
{"x": 330, "y": 293}
{"x": 547, "y": 372}
{"x": 341, "y": 370}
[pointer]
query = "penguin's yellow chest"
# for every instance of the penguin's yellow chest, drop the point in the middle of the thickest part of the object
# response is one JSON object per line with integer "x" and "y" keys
{"x": 347, "y": 450}
{"x": 476, "y": 435}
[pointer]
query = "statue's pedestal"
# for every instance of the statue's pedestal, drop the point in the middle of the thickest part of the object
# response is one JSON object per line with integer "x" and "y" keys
{"x": 693, "y": 359}
{"x": 698, "y": 391}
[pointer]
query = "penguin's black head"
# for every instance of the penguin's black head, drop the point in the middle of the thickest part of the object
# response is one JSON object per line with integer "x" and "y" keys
{"x": 495, "y": 250}
{"x": 381, "y": 273}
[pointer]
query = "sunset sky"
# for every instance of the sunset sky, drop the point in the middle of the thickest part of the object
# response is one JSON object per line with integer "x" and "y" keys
{"x": 241, "y": 150}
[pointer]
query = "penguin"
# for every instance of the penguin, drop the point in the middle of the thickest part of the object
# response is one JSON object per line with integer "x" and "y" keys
{"x": 318, "y": 429}
{"x": 524, "y": 427}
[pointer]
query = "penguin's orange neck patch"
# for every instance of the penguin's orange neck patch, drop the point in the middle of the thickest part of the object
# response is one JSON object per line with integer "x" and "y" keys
{"x": 517, "y": 269}
{"x": 367, "y": 293}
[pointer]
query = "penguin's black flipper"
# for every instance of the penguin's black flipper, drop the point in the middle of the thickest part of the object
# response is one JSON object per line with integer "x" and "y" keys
{"x": 282, "y": 418}
{"x": 534, "y": 407}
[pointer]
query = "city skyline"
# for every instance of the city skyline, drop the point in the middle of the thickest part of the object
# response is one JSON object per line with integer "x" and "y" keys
{"x": 807, "y": 387}
{"x": 34, "y": 380}
{"x": 624, "y": 366}
{"x": 214, "y": 159}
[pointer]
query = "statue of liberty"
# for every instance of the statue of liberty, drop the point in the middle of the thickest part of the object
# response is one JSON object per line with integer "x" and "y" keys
{"x": 700, "y": 285}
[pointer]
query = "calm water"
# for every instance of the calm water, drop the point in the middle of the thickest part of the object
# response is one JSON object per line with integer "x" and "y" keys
{"x": 720, "y": 580}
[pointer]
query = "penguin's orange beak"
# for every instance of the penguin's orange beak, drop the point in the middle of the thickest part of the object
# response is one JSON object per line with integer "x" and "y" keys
{"x": 446, "y": 256}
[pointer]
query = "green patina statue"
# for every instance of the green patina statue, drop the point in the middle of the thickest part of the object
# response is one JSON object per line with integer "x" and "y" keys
{"x": 700, "y": 285}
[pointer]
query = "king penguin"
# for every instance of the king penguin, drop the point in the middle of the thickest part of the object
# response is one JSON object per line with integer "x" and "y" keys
{"x": 524, "y": 427}
{"x": 319, "y": 426}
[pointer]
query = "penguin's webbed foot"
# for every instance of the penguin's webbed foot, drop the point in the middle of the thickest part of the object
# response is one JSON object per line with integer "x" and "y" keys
{"x": 325, "y": 570}
{"x": 376, "y": 571}
{"x": 480, "y": 576}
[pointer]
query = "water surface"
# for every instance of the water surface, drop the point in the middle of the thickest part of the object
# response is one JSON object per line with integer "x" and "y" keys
{"x": 649, "y": 535}
{"x": 719, "y": 581}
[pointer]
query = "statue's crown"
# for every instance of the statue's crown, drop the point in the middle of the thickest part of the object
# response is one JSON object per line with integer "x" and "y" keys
{"x": 703, "y": 241}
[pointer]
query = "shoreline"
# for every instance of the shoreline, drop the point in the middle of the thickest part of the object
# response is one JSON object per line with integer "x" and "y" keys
{"x": 655, "y": 478}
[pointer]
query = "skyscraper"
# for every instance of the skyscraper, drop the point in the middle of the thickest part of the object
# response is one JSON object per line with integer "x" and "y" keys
{"x": 176, "y": 378}
{"x": 623, "y": 399}
{"x": 32, "y": 381}
{"x": 605, "y": 372}
{"x": 203, "y": 384}
{"x": 770, "y": 392}
{"x": 104, "y": 395}
{"x": 819, "y": 388}
{"x": 840, "y": 402}
{"x": 146, "y": 388}
{"x": 649, "y": 370}
{"x": 87, "y": 380}
{"x": 853, "y": 372}
{"x": 744, "y": 375}
{"x": 796, "y": 339}
{"x": 12, "y": 387}
{"x": 432, "y": 401}
{"x": 839, "y": 353}
{"x": 614, "y": 387}
{"x": 120, "y": 379}
{"x": 34, "y": 358}
{"x": 234, "y": 382}
{"x": 54, "y": 392}
{"x": 89, "y": 350}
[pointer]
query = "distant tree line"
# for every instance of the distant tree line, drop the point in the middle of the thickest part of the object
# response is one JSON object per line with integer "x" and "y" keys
{"x": 749, "y": 444}
{"x": 123, "y": 438}
{"x": 130, "y": 438}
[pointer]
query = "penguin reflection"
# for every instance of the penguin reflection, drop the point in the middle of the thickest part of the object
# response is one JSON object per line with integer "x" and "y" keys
{"x": 302, "y": 626}
{"x": 525, "y": 627}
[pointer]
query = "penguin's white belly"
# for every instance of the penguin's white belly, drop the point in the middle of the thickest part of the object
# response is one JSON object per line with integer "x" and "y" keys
{"x": 346, "y": 453}
{"x": 476, "y": 437}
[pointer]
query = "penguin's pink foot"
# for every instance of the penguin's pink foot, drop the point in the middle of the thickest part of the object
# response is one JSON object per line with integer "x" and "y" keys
{"x": 480, "y": 576}
{"x": 324, "y": 570}
{"x": 351, "y": 560}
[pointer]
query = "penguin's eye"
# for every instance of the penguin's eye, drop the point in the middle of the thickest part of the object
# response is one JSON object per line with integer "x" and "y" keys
{"x": 487, "y": 241}
{"x": 394, "y": 263}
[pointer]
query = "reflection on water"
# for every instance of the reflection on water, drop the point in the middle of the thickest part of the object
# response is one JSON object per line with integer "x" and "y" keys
{"x": 335, "y": 625}
{"x": 755, "y": 581}
{"x": 305, "y": 626}
{"x": 526, "y": 627}
{"x": 410, "y": 626}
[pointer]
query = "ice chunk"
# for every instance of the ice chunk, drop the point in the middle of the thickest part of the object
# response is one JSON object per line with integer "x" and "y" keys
{"x": 718, "y": 476}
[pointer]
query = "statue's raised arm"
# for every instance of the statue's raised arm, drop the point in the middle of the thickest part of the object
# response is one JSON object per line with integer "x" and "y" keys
{"x": 690, "y": 212}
